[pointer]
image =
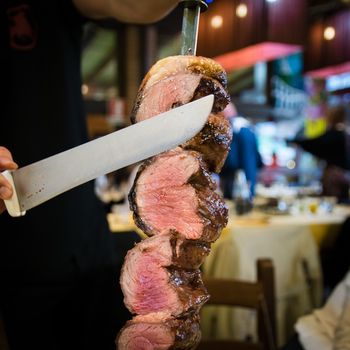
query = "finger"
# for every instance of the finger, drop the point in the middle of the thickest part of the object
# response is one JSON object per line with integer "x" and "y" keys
{"x": 5, "y": 188}
{"x": 6, "y": 161}
{"x": 5, "y": 192}
{"x": 4, "y": 152}
{"x": 7, "y": 164}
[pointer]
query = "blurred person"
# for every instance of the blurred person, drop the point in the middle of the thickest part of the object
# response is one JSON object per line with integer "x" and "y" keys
{"x": 59, "y": 266}
{"x": 334, "y": 148}
{"x": 243, "y": 155}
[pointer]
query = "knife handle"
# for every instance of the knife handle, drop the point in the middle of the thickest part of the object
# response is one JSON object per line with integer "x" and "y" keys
{"x": 12, "y": 204}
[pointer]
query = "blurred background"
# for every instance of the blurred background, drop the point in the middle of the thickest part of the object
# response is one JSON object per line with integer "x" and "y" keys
{"x": 288, "y": 68}
{"x": 287, "y": 62}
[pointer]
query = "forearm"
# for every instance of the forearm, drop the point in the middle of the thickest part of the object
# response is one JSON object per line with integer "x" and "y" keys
{"x": 130, "y": 11}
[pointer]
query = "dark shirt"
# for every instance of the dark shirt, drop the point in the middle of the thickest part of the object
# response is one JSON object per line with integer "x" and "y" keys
{"x": 42, "y": 114}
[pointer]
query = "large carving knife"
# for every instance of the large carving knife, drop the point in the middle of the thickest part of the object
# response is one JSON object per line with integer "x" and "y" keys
{"x": 38, "y": 182}
{"x": 190, "y": 24}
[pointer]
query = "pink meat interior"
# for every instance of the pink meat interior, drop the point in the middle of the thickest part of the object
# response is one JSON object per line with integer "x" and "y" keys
{"x": 174, "y": 90}
{"x": 165, "y": 201}
{"x": 152, "y": 290}
{"x": 143, "y": 336}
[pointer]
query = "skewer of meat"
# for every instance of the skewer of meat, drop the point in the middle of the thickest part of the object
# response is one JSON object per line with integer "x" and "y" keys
{"x": 174, "y": 201}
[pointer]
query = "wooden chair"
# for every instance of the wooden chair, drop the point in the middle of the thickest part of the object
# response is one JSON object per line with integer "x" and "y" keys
{"x": 259, "y": 295}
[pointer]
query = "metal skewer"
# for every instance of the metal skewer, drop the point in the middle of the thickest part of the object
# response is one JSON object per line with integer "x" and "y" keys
{"x": 190, "y": 24}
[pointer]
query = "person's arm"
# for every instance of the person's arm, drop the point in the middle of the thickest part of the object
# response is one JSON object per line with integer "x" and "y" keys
{"x": 6, "y": 163}
{"x": 324, "y": 145}
{"x": 130, "y": 11}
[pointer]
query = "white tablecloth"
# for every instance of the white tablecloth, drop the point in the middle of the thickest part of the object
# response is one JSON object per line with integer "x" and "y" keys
{"x": 234, "y": 256}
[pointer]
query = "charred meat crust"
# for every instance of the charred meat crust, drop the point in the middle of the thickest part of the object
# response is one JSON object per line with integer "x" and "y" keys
{"x": 214, "y": 213}
{"x": 190, "y": 287}
{"x": 211, "y": 207}
{"x": 205, "y": 68}
{"x": 187, "y": 332}
{"x": 213, "y": 142}
{"x": 209, "y": 86}
{"x": 188, "y": 254}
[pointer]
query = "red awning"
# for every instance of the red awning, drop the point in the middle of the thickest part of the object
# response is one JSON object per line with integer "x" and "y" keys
{"x": 251, "y": 55}
{"x": 328, "y": 71}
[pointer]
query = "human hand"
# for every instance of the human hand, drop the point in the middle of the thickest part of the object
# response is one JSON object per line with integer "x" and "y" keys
{"x": 6, "y": 163}
{"x": 129, "y": 11}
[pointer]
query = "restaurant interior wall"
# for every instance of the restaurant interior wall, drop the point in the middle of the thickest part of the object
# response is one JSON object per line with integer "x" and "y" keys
{"x": 282, "y": 21}
{"x": 298, "y": 22}
{"x": 322, "y": 53}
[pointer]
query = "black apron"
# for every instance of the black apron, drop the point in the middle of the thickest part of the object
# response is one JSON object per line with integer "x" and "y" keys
{"x": 57, "y": 263}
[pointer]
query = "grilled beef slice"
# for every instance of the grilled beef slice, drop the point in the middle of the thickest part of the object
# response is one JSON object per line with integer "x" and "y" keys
{"x": 159, "y": 276}
{"x": 177, "y": 90}
{"x": 174, "y": 191}
{"x": 177, "y": 80}
{"x": 173, "y": 65}
{"x": 153, "y": 333}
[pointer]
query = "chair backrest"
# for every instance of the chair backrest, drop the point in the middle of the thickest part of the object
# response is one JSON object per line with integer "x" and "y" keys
{"x": 258, "y": 295}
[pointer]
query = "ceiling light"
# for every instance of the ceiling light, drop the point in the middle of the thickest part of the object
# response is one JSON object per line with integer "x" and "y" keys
{"x": 241, "y": 10}
{"x": 271, "y": 0}
{"x": 216, "y": 22}
{"x": 329, "y": 33}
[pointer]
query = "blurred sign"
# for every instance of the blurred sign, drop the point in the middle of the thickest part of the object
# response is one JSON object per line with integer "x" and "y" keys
{"x": 338, "y": 82}
{"x": 287, "y": 86}
{"x": 289, "y": 101}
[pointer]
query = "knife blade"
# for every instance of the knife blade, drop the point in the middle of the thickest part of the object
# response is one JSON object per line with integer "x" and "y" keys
{"x": 40, "y": 181}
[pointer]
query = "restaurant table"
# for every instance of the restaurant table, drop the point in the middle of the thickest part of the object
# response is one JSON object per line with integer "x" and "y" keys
{"x": 293, "y": 242}
{"x": 324, "y": 226}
